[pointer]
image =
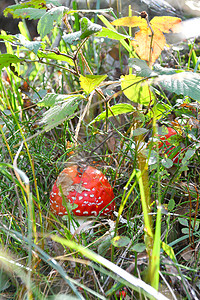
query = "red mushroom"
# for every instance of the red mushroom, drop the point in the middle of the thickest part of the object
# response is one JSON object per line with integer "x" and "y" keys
{"x": 168, "y": 147}
{"x": 87, "y": 189}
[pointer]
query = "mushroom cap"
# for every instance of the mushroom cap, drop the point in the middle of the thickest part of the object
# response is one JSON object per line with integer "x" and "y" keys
{"x": 87, "y": 189}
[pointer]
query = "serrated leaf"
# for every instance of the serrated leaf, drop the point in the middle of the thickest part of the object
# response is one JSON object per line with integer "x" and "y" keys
{"x": 136, "y": 90}
{"x": 38, "y": 4}
{"x": 52, "y": 99}
{"x": 31, "y": 45}
{"x": 88, "y": 28}
{"x": 111, "y": 34}
{"x": 149, "y": 41}
{"x": 118, "y": 109}
{"x": 90, "y": 82}
{"x": 55, "y": 56}
{"x": 7, "y": 59}
{"x": 59, "y": 113}
{"x": 120, "y": 241}
{"x": 134, "y": 21}
{"x": 141, "y": 67}
{"x": 184, "y": 83}
{"x": 29, "y": 13}
{"x": 165, "y": 71}
{"x": 45, "y": 24}
{"x": 72, "y": 38}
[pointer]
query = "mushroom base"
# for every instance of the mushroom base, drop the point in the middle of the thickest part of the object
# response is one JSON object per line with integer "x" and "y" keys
{"x": 85, "y": 225}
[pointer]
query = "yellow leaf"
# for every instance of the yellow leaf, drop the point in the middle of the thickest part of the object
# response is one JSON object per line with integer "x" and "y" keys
{"x": 145, "y": 47}
{"x": 130, "y": 22}
{"x": 149, "y": 47}
{"x": 136, "y": 90}
{"x": 165, "y": 23}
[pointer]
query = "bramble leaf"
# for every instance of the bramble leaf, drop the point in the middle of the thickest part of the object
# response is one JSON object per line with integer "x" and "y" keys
{"x": 88, "y": 27}
{"x": 150, "y": 40}
{"x": 7, "y": 59}
{"x": 12, "y": 9}
{"x": 55, "y": 56}
{"x": 182, "y": 83}
{"x": 90, "y": 82}
{"x": 45, "y": 24}
{"x": 115, "y": 110}
{"x": 62, "y": 107}
{"x": 136, "y": 89}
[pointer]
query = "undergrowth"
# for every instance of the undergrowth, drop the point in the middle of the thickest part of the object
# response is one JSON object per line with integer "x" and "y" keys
{"x": 86, "y": 92}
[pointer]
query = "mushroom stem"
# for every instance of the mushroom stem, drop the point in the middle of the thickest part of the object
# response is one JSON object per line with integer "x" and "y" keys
{"x": 84, "y": 225}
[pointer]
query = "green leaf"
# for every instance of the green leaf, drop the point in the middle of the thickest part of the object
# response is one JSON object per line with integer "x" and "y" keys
{"x": 184, "y": 83}
{"x": 120, "y": 241}
{"x": 62, "y": 108}
{"x": 58, "y": 114}
{"x": 29, "y": 13}
{"x": 165, "y": 71}
{"x": 90, "y": 82}
{"x": 31, "y": 45}
{"x": 139, "y": 131}
{"x": 55, "y": 56}
{"x": 88, "y": 28}
{"x": 51, "y": 99}
{"x": 167, "y": 163}
{"x": 7, "y": 59}
{"x": 189, "y": 153}
{"x": 111, "y": 27}
{"x": 8, "y": 38}
{"x": 183, "y": 222}
{"x": 136, "y": 90}
{"x": 139, "y": 247}
{"x": 141, "y": 67}
{"x": 185, "y": 230}
{"x": 72, "y": 38}
{"x": 169, "y": 251}
{"x": 111, "y": 34}
{"x": 45, "y": 24}
{"x": 171, "y": 204}
{"x": 160, "y": 110}
{"x": 37, "y": 4}
{"x": 117, "y": 109}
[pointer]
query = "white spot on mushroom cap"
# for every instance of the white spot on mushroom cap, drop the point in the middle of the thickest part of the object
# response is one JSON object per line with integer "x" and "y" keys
{"x": 92, "y": 195}
{"x": 85, "y": 213}
{"x": 94, "y": 212}
{"x": 77, "y": 211}
{"x": 80, "y": 197}
{"x": 85, "y": 195}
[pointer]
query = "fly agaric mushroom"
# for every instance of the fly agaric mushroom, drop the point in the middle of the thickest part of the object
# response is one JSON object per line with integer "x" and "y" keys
{"x": 87, "y": 189}
{"x": 168, "y": 147}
